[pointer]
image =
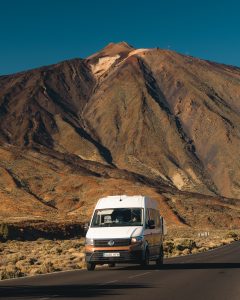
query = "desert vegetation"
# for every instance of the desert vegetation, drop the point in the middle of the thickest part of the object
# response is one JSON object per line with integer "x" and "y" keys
{"x": 191, "y": 242}
{"x": 22, "y": 258}
{"x": 28, "y": 258}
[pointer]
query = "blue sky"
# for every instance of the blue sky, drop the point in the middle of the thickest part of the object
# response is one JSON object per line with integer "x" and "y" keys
{"x": 41, "y": 32}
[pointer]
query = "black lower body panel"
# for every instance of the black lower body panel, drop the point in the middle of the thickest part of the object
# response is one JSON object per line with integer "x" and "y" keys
{"x": 98, "y": 257}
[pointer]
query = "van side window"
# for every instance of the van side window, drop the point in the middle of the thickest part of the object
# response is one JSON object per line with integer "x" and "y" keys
{"x": 150, "y": 215}
{"x": 157, "y": 216}
{"x": 153, "y": 214}
{"x": 147, "y": 216}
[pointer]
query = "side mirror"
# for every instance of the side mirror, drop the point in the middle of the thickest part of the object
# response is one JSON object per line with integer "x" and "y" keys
{"x": 85, "y": 227}
{"x": 151, "y": 224}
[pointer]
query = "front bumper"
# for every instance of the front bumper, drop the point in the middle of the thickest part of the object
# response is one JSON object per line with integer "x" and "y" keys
{"x": 128, "y": 255}
{"x": 125, "y": 257}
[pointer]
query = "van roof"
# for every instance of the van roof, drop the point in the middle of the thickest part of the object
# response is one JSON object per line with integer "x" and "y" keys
{"x": 126, "y": 201}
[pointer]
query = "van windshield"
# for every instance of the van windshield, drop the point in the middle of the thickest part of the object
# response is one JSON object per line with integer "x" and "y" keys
{"x": 117, "y": 217}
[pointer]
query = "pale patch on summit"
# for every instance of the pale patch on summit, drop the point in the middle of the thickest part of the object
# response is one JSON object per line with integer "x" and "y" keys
{"x": 139, "y": 51}
{"x": 103, "y": 64}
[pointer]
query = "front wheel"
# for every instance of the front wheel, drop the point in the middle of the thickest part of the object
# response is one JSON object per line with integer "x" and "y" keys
{"x": 159, "y": 261}
{"x": 111, "y": 265}
{"x": 91, "y": 266}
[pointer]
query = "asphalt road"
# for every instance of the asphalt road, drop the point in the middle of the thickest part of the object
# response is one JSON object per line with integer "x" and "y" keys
{"x": 207, "y": 276}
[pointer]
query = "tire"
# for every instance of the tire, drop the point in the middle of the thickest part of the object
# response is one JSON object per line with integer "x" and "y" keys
{"x": 145, "y": 261}
{"x": 111, "y": 265}
{"x": 159, "y": 261}
{"x": 91, "y": 266}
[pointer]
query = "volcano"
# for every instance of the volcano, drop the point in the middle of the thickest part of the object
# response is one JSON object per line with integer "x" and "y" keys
{"x": 122, "y": 121}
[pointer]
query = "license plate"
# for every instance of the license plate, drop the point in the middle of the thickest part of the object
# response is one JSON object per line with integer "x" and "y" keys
{"x": 111, "y": 254}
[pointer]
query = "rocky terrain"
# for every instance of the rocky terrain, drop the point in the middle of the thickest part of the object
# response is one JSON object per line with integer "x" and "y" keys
{"x": 122, "y": 121}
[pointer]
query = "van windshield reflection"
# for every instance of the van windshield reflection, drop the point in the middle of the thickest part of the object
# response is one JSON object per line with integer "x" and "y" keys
{"x": 117, "y": 217}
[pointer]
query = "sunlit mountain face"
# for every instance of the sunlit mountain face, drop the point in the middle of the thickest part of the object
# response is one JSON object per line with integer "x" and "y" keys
{"x": 122, "y": 121}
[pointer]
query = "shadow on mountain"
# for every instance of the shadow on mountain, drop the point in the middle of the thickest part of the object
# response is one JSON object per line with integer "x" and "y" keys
{"x": 68, "y": 291}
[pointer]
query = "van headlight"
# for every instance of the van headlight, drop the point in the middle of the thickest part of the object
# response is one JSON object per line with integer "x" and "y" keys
{"x": 89, "y": 241}
{"x": 137, "y": 239}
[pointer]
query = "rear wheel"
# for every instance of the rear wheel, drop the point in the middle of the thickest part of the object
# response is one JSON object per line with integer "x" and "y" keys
{"x": 159, "y": 261}
{"x": 91, "y": 266}
{"x": 111, "y": 265}
{"x": 145, "y": 261}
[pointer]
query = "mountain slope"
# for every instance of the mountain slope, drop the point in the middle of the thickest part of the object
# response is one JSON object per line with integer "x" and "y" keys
{"x": 126, "y": 121}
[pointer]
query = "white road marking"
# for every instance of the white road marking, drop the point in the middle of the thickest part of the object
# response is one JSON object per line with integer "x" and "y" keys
{"x": 108, "y": 282}
{"x": 138, "y": 275}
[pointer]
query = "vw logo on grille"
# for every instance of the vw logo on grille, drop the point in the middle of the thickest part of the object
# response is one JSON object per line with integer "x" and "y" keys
{"x": 111, "y": 243}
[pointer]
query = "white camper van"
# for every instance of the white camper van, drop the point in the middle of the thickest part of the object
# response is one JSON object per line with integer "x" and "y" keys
{"x": 125, "y": 229}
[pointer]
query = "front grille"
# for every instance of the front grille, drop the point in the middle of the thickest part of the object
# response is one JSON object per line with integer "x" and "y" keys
{"x": 117, "y": 242}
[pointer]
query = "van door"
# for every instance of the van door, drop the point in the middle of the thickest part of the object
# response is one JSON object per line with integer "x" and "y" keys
{"x": 149, "y": 232}
{"x": 157, "y": 233}
{"x": 153, "y": 236}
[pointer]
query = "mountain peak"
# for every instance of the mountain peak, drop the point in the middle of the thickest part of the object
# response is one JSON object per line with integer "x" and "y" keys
{"x": 112, "y": 49}
{"x": 120, "y": 44}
